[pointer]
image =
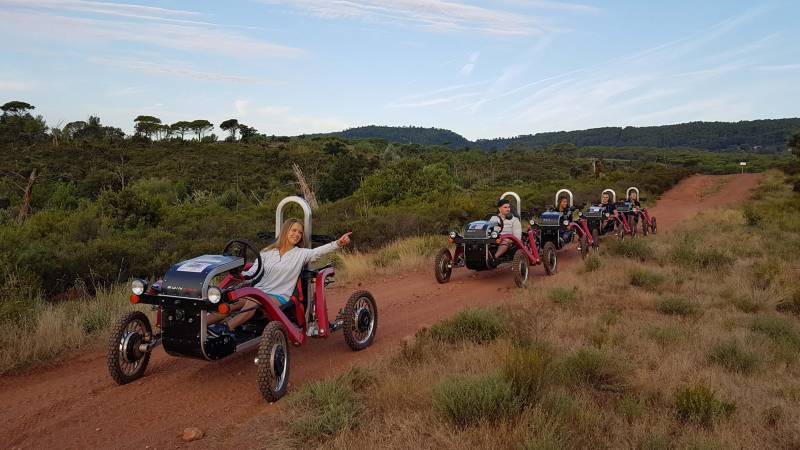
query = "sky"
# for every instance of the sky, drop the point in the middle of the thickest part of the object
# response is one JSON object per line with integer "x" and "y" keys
{"x": 484, "y": 69}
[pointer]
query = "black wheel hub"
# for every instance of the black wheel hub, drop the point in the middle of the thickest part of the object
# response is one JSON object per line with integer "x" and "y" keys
{"x": 280, "y": 357}
{"x": 363, "y": 320}
{"x": 131, "y": 349}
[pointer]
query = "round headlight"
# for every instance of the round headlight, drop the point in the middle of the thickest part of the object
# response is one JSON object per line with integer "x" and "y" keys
{"x": 607, "y": 214}
{"x": 494, "y": 234}
{"x": 452, "y": 235}
{"x": 138, "y": 286}
{"x": 214, "y": 294}
{"x": 532, "y": 222}
{"x": 566, "y": 222}
{"x": 580, "y": 213}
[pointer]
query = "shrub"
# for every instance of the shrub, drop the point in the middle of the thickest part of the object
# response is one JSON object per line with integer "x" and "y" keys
{"x": 474, "y": 325}
{"x": 563, "y": 296}
{"x": 325, "y": 407}
{"x": 470, "y": 401}
{"x": 592, "y": 262}
{"x": 595, "y": 369}
{"x": 780, "y": 331}
{"x": 732, "y": 357}
{"x": 699, "y": 405}
{"x": 527, "y": 370}
{"x": 791, "y": 304}
{"x": 676, "y": 306}
{"x": 646, "y": 279}
{"x": 665, "y": 335}
{"x": 632, "y": 248}
{"x": 751, "y": 216}
{"x": 688, "y": 253}
{"x": 746, "y": 304}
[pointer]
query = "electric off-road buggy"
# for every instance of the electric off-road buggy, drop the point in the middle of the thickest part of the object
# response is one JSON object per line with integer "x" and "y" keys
{"x": 191, "y": 289}
{"x": 475, "y": 249}
{"x": 601, "y": 221}
{"x": 569, "y": 228}
{"x": 638, "y": 214}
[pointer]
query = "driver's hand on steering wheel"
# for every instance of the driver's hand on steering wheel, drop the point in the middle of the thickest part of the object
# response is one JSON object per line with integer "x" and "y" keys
{"x": 344, "y": 240}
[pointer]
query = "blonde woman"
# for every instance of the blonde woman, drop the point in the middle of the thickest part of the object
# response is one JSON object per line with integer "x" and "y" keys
{"x": 283, "y": 262}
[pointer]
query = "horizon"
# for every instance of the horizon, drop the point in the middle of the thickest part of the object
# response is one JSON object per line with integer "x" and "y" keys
{"x": 498, "y": 69}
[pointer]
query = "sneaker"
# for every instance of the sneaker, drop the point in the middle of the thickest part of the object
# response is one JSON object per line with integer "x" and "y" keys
{"x": 219, "y": 329}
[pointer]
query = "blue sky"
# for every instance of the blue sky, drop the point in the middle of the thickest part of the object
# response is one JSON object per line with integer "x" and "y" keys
{"x": 484, "y": 69}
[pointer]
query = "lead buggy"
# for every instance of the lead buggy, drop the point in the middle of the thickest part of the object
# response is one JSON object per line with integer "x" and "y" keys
{"x": 212, "y": 283}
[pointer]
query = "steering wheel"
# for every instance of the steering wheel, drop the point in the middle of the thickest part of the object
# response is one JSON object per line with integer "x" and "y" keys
{"x": 243, "y": 249}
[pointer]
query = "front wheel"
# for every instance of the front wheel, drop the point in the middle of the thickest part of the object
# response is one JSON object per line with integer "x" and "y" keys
{"x": 126, "y": 358}
{"x": 443, "y": 266}
{"x": 520, "y": 269}
{"x": 644, "y": 228}
{"x": 584, "y": 243}
{"x": 549, "y": 258}
{"x": 653, "y": 225}
{"x": 360, "y": 320}
{"x": 596, "y": 238}
{"x": 273, "y": 362}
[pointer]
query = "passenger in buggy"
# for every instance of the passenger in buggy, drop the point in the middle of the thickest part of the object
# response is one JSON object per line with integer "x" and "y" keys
{"x": 510, "y": 224}
{"x": 633, "y": 199}
{"x": 283, "y": 262}
{"x": 566, "y": 214}
{"x": 610, "y": 208}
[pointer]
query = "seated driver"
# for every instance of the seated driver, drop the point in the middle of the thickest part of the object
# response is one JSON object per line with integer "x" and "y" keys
{"x": 633, "y": 199}
{"x": 610, "y": 208}
{"x": 566, "y": 214}
{"x": 283, "y": 262}
{"x": 510, "y": 224}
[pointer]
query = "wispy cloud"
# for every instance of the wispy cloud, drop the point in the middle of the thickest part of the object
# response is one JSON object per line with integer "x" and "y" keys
{"x": 16, "y": 86}
{"x": 100, "y": 23}
{"x": 435, "y": 15}
{"x": 470, "y": 65}
{"x": 174, "y": 68}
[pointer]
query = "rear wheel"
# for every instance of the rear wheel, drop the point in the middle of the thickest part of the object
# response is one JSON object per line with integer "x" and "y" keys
{"x": 126, "y": 360}
{"x": 584, "y": 243}
{"x": 653, "y": 225}
{"x": 549, "y": 258}
{"x": 520, "y": 269}
{"x": 596, "y": 238}
{"x": 633, "y": 228}
{"x": 273, "y": 362}
{"x": 360, "y": 320}
{"x": 644, "y": 227}
{"x": 443, "y": 266}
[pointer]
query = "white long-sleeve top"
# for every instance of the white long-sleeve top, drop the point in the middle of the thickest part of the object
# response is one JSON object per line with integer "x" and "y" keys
{"x": 281, "y": 272}
{"x": 510, "y": 226}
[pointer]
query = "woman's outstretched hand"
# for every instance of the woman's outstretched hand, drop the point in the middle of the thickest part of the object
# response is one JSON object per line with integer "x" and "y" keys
{"x": 345, "y": 239}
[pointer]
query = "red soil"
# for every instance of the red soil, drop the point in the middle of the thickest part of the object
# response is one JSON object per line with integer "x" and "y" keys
{"x": 75, "y": 404}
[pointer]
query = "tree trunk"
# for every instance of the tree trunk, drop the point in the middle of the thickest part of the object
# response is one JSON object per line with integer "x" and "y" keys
{"x": 308, "y": 193}
{"x": 26, "y": 198}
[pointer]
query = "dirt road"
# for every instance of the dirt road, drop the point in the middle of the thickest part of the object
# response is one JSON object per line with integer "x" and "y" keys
{"x": 75, "y": 404}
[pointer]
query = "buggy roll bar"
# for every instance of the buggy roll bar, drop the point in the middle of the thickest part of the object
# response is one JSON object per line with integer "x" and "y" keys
{"x": 570, "y": 197}
{"x": 628, "y": 193}
{"x": 306, "y": 217}
{"x": 516, "y": 197}
{"x": 613, "y": 195}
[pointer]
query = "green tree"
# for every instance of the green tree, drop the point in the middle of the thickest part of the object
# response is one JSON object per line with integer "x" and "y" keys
{"x": 147, "y": 125}
{"x": 17, "y": 108}
{"x": 230, "y": 125}
{"x": 246, "y": 133}
{"x": 200, "y": 127}
{"x": 794, "y": 143}
{"x": 181, "y": 128}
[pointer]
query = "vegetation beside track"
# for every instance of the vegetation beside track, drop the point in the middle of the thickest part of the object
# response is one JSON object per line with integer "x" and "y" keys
{"x": 685, "y": 340}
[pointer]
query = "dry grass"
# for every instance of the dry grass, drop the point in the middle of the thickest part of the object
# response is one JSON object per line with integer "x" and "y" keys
{"x": 645, "y": 350}
{"x": 56, "y": 330}
{"x": 398, "y": 256}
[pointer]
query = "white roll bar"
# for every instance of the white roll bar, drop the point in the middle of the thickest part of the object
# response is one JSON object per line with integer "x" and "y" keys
{"x": 571, "y": 203}
{"x": 516, "y": 197}
{"x": 628, "y": 193}
{"x": 306, "y": 217}
{"x": 613, "y": 195}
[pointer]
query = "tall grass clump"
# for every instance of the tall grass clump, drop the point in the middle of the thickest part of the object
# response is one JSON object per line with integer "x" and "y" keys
{"x": 732, "y": 357}
{"x": 468, "y": 402}
{"x": 592, "y": 262}
{"x": 473, "y": 325}
{"x": 399, "y": 255}
{"x": 676, "y": 306}
{"x": 563, "y": 296}
{"x": 646, "y": 279}
{"x": 781, "y": 331}
{"x": 639, "y": 249}
{"x": 690, "y": 253}
{"x": 595, "y": 369}
{"x": 700, "y": 405}
{"x": 528, "y": 370}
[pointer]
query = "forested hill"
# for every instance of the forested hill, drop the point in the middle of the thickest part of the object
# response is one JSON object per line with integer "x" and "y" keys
{"x": 406, "y": 135}
{"x": 761, "y": 135}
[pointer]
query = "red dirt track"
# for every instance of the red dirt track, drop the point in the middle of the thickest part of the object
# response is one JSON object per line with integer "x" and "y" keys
{"x": 75, "y": 404}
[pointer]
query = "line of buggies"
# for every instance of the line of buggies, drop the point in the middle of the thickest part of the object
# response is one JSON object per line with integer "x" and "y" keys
{"x": 549, "y": 232}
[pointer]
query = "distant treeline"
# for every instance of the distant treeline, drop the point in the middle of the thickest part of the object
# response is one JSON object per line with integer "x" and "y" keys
{"x": 761, "y": 136}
